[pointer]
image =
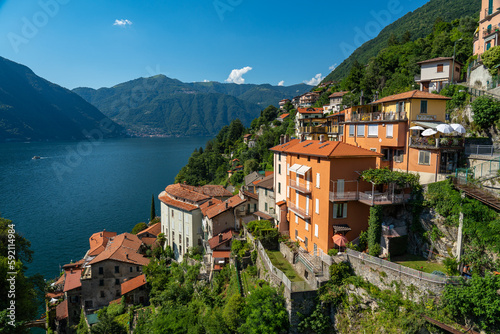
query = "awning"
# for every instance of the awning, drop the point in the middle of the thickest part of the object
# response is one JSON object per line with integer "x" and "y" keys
{"x": 221, "y": 254}
{"x": 341, "y": 228}
{"x": 294, "y": 168}
{"x": 429, "y": 125}
{"x": 263, "y": 215}
{"x": 440, "y": 80}
{"x": 303, "y": 170}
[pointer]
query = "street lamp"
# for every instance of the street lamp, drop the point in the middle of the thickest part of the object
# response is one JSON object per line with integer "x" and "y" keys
{"x": 453, "y": 70}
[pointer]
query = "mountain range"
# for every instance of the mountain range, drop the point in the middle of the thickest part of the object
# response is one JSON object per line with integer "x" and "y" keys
{"x": 418, "y": 23}
{"x": 32, "y": 108}
{"x": 163, "y": 106}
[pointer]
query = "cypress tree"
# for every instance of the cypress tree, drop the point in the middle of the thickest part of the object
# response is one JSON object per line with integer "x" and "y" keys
{"x": 153, "y": 210}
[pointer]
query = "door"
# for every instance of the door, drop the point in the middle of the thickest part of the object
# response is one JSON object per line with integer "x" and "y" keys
{"x": 425, "y": 86}
{"x": 340, "y": 188}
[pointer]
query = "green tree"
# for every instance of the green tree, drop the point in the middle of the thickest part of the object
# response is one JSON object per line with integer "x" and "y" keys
{"x": 153, "y": 209}
{"x": 139, "y": 227}
{"x": 233, "y": 311}
{"x": 107, "y": 325}
{"x": 491, "y": 59}
{"x": 374, "y": 230}
{"x": 486, "y": 111}
{"x": 250, "y": 166}
{"x": 265, "y": 312}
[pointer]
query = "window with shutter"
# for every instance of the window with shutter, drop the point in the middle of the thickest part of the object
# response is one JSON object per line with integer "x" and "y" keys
{"x": 440, "y": 68}
{"x": 317, "y": 180}
{"x": 423, "y": 107}
{"x": 317, "y": 206}
{"x": 389, "y": 130}
{"x": 361, "y": 130}
{"x": 316, "y": 230}
{"x": 373, "y": 130}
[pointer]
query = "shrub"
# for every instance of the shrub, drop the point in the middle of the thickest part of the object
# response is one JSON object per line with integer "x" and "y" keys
{"x": 253, "y": 257}
{"x": 375, "y": 230}
{"x": 451, "y": 265}
{"x": 333, "y": 252}
{"x": 252, "y": 270}
{"x": 139, "y": 227}
{"x": 486, "y": 111}
{"x": 363, "y": 240}
{"x": 339, "y": 272}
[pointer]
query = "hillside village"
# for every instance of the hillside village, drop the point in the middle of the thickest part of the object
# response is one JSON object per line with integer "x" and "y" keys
{"x": 342, "y": 184}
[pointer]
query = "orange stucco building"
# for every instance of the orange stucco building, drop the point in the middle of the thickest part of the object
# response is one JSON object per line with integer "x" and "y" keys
{"x": 489, "y": 27}
{"x": 322, "y": 191}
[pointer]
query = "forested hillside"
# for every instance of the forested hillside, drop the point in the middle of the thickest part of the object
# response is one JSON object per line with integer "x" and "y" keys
{"x": 418, "y": 24}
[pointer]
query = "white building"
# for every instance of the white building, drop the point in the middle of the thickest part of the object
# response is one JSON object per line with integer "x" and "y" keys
{"x": 435, "y": 74}
{"x": 335, "y": 102}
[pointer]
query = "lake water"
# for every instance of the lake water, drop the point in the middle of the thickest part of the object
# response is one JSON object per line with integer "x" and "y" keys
{"x": 79, "y": 188}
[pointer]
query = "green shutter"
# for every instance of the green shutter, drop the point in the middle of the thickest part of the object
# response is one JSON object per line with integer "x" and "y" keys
{"x": 490, "y": 7}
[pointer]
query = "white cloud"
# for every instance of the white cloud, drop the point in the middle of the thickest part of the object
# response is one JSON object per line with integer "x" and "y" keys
{"x": 206, "y": 80}
{"x": 314, "y": 81}
{"x": 122, "y": 23}
{"x": 333, "y": 67}
{"x": 236, "y": 76}
{"x": 281, "y": 83}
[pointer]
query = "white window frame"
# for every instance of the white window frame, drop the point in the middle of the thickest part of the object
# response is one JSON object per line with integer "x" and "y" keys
{"x": 307, "y": 225}
{"x": 317, "y": 180}
{"x": 316, "y": 230}
{"x": 424, "y": 154}
{"x": 287, "y": 169}
{"x": 336, "y": 209}
{"x": 373, "y": 130}
{"x": 360, "y": 132}
{"x": 287, "y": 191}
{"x": 296, "y": 219}
{"x": 352, "y": 130}
{"x": 317, "y": 206}
{"x": 389, "y": 133}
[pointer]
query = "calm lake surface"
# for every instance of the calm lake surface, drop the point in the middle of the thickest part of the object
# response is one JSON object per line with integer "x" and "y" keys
{"x": 79, "y": 188}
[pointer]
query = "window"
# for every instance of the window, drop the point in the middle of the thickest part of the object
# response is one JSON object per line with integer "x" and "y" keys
{"x": 101, "y": 282}
{"x": 180, "y": 250}
{"x": 180, "y": 238}
{"x": 389, "y": 130}
{"x": 398, "y": 156}
{"x": 117, "y": 293}
{"x": 279, "y": 156}
{"x": 279, "y": 188}
{"x": 180, "y": 217}
{"x": 117, "y": 269}
{"x": 102, "y": 294}
{"x": 319, "y": 160}
{"x": 131, "y": 269}
{"x": 265, "y": 207}
{"x": 187, "y": 242}
{"x": 308, "y": 158}
{"x": 287, "y": 169}
{"x": 279, "y": 169}
{"x": 387, "y": 154}
{"x": 117, "y": 281}
{"x": 287, "y": 192}
{"x": 361, "y": 131}
{"x": 340, "y": 210}
{"x": 373, "y": 130}
{"x": 101, "y": 270}
{"x": 490, "y": 8}
{"x": 488, "y": 46}
{"x": 317, "y": 206}
{"x": 440, "y": 68}
{"x": 306, "y": 242}
{"x": 423, "y": 107}
{"x": 296, "y": 234}
{"x": 296, "y": 219}
{"x": 316, "y": 230}
{"x": 317, "y": 180}
{"x": 265, "y": 192}
{"x": 173, "y": 236}
{"x": 424, "y": 158}
{"x": 307, "y": 225}
{"x": 138, "y": 268}
{"x": 351, "y": 130}
{"x": 255, "y": 207}
{"x": 400, "y": 106}
{"x": 373, "y": 149}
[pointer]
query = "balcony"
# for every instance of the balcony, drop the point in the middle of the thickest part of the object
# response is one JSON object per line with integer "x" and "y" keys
{"x": 376, "y": 117}
{"x": 359, "y": 191}
{"x": 386, "y": 198}
{"x": 313, "y": 129}
{"x": 298, "y": 210}
{"x": 343, "y": 196}
{"x": 334, "y": 129}
{"x": 490, "y": 31}
{"x": 437, "y": 143}
{"x": 303, "y": 187}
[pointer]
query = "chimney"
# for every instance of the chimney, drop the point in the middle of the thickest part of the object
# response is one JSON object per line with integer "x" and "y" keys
{"x": 287, "y": 138}
{"x": 220, "y": 237}
{"x": 126, "y": 255}
{"x": 302, "y": 137}
{"x": 282, "y": 139}
{"x": 227, "y": 205}
{"x": 322, "y": 138}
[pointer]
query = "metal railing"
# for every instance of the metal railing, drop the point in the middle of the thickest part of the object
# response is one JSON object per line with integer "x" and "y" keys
{"x": 376, "y": 116}
{"x": 485, "y": 170}
{"x": 312, "y": 129}
{"x": 300, "y": 186}
{"x": 298, "y": 210}
{"x": 444, "y": 142}
{"x": 437, "y": 279}
{"x": 480, "y": 150}
{"x": 292, "y": 286}
{"x": 377, "y": 198}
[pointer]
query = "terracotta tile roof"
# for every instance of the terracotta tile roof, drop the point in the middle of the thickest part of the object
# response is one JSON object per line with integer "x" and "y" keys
{"x": 267, "y": 182}
{"x": 224, "y": 206}
{"x": 221, "y": 254}
{"x": 251, "y": 195}
{"x": 216, "y": 241}
{"x": 72, "y": 279}
{"x": 330, "y": 149}
{"x": 62, "y": 310}
{"x": 414, "y": 94}
{"x": 76, "y": 264}
{"x": 123, "y": 248}
{"x": 434, "y": 60}
{"x": 116, "y": 301}
{"x": 284, "y": 116}
{"x": 133, "y": 283}
{"x": 98, "y": 242}
{"x": 154, "y": 229}
{"x": 186, "y": 192}
{"x": 280, "y": 203}
{"x": 55, "y": 295}
{"x": 60, "y": 280}
{"x": 148, "y": 241}
{"x": 340, "y": 113}
{"x": 216, "y": 191}
{"x": 208, "y": 204}
{"x": 338, "y": 94}
{"x": 285, "y": 146}
{"x": 178, "y": 204}
{"x": 310, "y": 110}
{"x": 217, "y": 267}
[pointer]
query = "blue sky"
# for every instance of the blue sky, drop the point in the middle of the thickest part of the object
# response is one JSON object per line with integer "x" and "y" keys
{"x": 100, "y": 43}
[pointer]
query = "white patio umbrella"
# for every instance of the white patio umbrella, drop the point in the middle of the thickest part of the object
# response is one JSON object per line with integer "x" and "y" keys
{"x": 458, "y": 128}
{"x": 429, "y": 132}
{"x": 416, "y": 127}
{"x": 444, "y": 128}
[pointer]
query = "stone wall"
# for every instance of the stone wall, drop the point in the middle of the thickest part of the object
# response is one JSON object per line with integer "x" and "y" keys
{"x": 480, "y": 74}
{"x": 412, "y": 287}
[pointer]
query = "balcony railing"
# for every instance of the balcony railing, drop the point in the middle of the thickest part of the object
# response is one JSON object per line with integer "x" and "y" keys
{"x": 376, "y": 117}
{"x": 312, "y": 129}
{"x": 493, "y": 30}
{"x": 334, "y": 129}
{"x": 303, "y": 187}
{"x": 433, "y": 143}
{"x": 376, "y": 198}
{"x": 343, "y": 196}
{"x": 298, "y": 210}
